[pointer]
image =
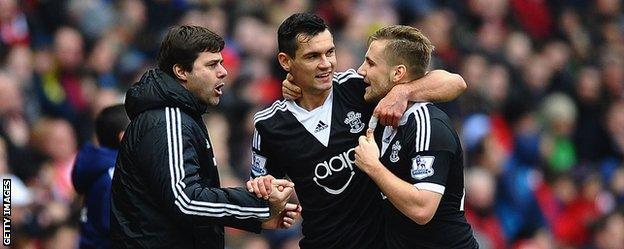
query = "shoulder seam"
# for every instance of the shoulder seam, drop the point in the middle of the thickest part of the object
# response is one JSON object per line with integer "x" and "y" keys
{"x": 345, "y": 76}
{"x": 269, "y": 112}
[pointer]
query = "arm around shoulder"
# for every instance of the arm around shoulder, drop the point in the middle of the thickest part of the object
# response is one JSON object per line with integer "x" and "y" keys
{"x": 435, "y": 86}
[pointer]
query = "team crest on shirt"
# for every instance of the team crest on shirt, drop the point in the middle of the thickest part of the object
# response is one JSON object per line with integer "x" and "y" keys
{"x": 422, "y": 167}
{"x": 394, "y": 156}
{"x": 353, "y": 120}
{"x": 258, "y": 164}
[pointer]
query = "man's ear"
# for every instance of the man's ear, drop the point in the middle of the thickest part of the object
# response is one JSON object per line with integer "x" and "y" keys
{"x": 284, "y": 61}
{"x": 398, "y": 73}
{"x": 179, "y": 72}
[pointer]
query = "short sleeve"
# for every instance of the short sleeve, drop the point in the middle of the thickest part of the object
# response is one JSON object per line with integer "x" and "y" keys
{"x": 434, "y": 150}
{"x": 261, "y": 161}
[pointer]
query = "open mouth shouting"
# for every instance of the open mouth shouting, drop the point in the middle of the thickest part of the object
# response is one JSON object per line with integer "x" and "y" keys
{"x": 217, "y": 89}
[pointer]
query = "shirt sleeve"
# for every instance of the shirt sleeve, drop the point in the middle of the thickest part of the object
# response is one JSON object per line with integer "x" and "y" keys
{"x": 434, "y": 150}
{"x": 262, "y": 161}
{"x": 172, "y": 170}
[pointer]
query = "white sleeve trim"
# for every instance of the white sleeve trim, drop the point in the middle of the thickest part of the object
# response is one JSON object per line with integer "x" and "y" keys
{"x": 433, "y": 187}
{"x": 177, "y": 173}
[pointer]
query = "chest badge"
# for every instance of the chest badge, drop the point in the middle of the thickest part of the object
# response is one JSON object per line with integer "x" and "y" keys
{"x": 394, "y": 156}
{"x": 354, "y": 120}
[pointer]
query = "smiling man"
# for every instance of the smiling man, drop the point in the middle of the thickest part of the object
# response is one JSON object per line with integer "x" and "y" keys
{"x": 165, "y": 189}
{"x": 311, "y": 140}
{"x": 420, "y": 171}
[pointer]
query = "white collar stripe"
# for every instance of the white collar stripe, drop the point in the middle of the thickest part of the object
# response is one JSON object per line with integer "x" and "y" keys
{"x": 343, "y": 75}
{"x": 349, "y": 74}
{"x": 280, "y": 107}
{"x": 267, "y": 110}
{"x": 176, "y": 170}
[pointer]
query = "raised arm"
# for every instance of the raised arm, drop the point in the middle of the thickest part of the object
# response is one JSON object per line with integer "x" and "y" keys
{"x": 435, "y": 86}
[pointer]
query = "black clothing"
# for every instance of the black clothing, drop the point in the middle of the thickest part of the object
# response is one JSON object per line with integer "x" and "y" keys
{"x": 341, "y": 204}
{"x": 425, "y": 151}
{"x": 165, "y": 189}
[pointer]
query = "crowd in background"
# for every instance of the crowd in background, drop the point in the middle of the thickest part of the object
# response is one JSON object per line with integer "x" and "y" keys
{"x": 541, "y": 123}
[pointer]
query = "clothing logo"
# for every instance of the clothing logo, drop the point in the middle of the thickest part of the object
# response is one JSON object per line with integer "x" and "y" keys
{"x": 331, "y": 174}
{"x": 422, "y": 167}
{"x": 320, "y": 126}
{"x": 353, "y": 119}
{"x": 258, "y": 165}
{"x": 394, "y": 156}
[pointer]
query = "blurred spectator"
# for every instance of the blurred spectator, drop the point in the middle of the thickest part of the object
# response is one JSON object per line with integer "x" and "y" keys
{"x": 14, "y": 129}
{"x": 590, "y": 134}
{"x": 559, "y": 114}
{"x": 615, "y": 127}
{"x": 92, "y": 175}
{"x": 59, "y": 83}
{"x": 480, "y": 209}
{"x": 608, "y": 232}
{"x": 571, "y": 225}
{"x": 14, "y": 28}
{"x": 55, "y": 139}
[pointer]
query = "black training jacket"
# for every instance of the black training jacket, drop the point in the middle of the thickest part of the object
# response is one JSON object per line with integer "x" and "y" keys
{"x": 165, "y": 189}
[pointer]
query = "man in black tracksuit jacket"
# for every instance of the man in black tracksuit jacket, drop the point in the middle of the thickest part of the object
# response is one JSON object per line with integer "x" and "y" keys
{"x": 165, "y": 189}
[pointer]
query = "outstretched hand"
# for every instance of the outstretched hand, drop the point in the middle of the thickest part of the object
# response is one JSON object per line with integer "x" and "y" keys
{"x": 367, "y": 152}
{"x": 290, "y": 90}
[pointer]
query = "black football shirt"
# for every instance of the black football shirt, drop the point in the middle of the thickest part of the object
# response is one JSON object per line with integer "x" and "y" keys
{"x": 425, "y": 151}
{"x": 315, "y": 149}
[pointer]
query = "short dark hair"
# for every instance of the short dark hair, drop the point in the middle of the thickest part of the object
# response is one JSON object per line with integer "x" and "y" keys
{"x": 298, "y": 24}
{"x": 182, "y": 45}
{"x": 407, "y": 46}
{"x": 109, "y": 123}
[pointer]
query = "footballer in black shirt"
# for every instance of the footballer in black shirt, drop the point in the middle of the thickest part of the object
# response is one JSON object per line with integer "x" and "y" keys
{"x": 341, "y": 205}
{"x": 312, "y": 140}
{"x": 420, "y": 166}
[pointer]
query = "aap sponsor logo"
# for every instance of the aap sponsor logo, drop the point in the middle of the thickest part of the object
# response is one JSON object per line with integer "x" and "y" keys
{"x": 335, "y": 174}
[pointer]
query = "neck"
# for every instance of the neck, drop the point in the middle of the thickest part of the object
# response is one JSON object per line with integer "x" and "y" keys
{"x": 310, "y": 101}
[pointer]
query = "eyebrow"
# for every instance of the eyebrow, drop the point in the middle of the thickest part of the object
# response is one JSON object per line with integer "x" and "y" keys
{"x": 315, "y": 53}
{"x": 215, "y": 61}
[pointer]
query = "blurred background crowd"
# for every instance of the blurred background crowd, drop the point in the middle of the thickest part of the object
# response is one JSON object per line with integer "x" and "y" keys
{"x": 542, "y": 120}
